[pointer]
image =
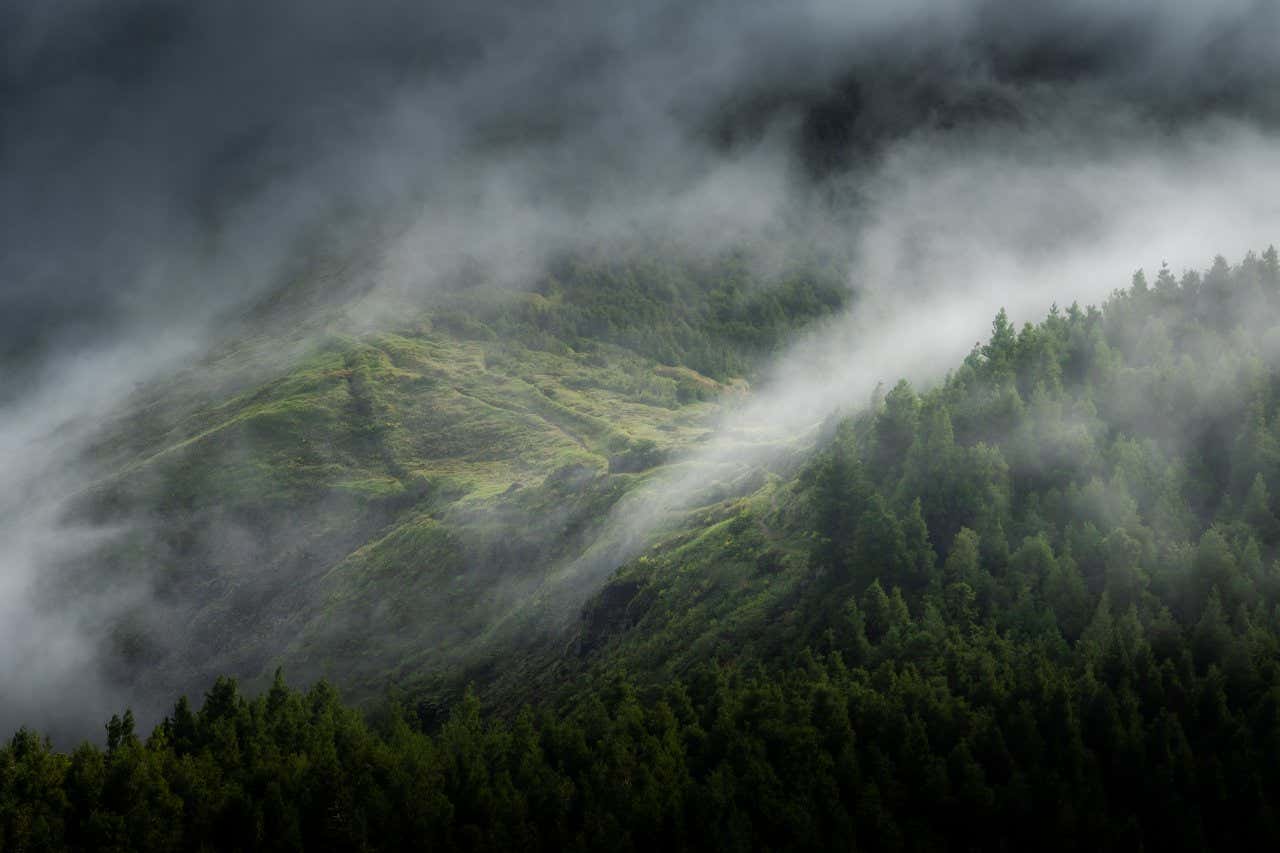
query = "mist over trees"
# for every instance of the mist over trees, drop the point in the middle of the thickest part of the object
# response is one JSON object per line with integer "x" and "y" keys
{"x": 576, "y": 399}
{"x": 1036, "y": 605}
{"x": 197, "y": 197}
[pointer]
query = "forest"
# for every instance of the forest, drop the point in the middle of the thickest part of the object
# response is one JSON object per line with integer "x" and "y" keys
{"x": 1034, "y": 606}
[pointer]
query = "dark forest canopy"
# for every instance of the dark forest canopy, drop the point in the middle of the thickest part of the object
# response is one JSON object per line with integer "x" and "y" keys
{"x": 1038, "y": 607}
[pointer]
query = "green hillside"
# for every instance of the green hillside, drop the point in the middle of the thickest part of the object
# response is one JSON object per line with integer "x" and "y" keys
{"x": 1095, "y": 463}
{"x": 1037, "y": 605}
{"x": 372, "y": 506}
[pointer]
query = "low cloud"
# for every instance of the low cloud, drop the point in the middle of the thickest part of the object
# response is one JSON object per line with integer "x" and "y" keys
{"x": 169, "y": 166}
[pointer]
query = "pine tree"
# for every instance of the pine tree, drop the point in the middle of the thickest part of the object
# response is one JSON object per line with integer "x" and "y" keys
{"x": 1212, "y": 637}
{"x": 878, "y": 610}
{"x": 1257, "y": 513}
{"x": 1166, "y": 284}
{"x": 1066, "y": 595}
{"x": 1139, "y": 287}
{"x": 879, "y": 547}
{"x": 840, "y": 496}
{"x": 1271, "y": 270}
{"x": 1215, "y": 568}
{"x": 1000, "y": 350}
{"x": 1126, "y": 582}
{"x": 895, "y": 430}
{"x": 921, "y": 558}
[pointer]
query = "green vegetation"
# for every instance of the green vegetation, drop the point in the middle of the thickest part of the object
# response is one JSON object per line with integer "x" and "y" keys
{"x": 1037, "y": 606}
{"x": 711, "y": 315}
{"x": 368, "y": 506}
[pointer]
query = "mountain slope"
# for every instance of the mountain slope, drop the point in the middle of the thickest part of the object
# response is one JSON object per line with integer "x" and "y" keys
{"x": 1089, "y": 464}
{"x": 376, "y": 507}
{"x": 1037, "y": 605}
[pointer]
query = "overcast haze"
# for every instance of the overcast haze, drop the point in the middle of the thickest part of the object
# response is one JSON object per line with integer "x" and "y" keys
{"x": 164, "y": 165}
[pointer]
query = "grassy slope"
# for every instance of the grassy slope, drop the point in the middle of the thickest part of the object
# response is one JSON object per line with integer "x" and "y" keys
{"x": 378, "y": 509}
{"x": 720, "y": 589}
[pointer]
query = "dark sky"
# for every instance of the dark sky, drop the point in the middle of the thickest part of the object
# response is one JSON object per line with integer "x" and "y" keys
{"x": 159, "y": 156}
